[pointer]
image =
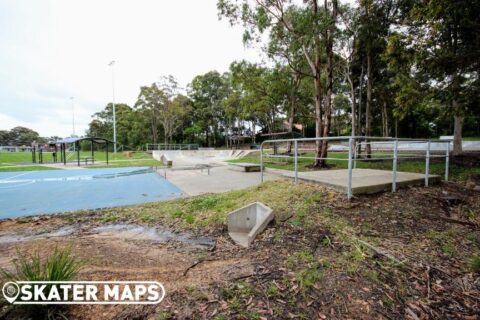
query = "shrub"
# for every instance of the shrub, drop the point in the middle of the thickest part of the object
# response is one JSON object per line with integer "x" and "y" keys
{"x": 60, "y": 265}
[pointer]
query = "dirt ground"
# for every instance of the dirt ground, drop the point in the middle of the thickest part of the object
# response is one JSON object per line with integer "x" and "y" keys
{"x": 386, "y": 256}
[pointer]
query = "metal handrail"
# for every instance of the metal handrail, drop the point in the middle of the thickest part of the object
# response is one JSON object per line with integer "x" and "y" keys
{"x": 171, "y": 146}
{"x": 351, "y": 150}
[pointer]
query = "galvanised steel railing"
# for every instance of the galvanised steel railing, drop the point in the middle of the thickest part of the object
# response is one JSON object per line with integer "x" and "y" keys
{"x": 171, "y": 146}
{"x": 355, "y": 144}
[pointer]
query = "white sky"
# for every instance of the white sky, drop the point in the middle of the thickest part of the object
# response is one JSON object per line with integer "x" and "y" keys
{"x": 52, "y": 50}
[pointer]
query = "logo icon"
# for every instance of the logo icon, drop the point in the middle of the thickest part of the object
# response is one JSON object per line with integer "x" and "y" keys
{"x": 10, "y": 290}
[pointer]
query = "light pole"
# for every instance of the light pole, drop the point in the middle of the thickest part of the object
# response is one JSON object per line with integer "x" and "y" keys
{"x": 111, "y": 64}
{"x": 73, "y": 116}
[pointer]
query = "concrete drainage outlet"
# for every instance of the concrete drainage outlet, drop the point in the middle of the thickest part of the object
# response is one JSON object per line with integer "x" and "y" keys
{"x": 246, "y": 223}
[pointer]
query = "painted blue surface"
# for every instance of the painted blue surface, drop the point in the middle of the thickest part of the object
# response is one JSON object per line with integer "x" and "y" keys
{"x": 55, "y": 191}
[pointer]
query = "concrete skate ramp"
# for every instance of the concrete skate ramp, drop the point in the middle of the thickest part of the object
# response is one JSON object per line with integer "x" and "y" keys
{"x": 181, "y": 158}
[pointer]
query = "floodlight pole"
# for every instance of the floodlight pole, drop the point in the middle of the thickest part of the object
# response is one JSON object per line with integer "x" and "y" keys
{"x": 111, "y": 64}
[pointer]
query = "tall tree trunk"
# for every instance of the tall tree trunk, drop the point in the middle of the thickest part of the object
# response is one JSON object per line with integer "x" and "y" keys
{"x": 457, "y": 128}
{"x": 293, "y": 101}
{"x": 396, "y": 127}
{"x": 352, "y": 98}
{"x": 253, "y": 132}
{"x": 318, "y": 117}
{"x": 214, "y": 135}
{"x": 385, "y": 129}
{"x": 154, "y": 126}
{"x": 315, "y": 66}
{"x": 359, "y": 124}
{"x": 154, "y": 133}
{"x": 329, "y": 91}
{"x": 226, "y": 134}
{"x": 328, "y": 106}
{"x": 290, "y": 128}
{"x": 207, "y": 142}
{"x": 368, "y": 111}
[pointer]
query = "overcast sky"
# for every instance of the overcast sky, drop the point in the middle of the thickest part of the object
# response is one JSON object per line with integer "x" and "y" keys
{"x": 53, "y": 50}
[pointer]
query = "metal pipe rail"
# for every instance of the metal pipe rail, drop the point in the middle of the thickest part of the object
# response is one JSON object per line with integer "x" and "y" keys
{"x": 171, "y": 146}
{"x": 362, "y": 140}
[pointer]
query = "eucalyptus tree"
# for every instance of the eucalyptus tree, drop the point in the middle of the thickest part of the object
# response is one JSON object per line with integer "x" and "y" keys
{"x": 149, "y": 103}
{"x": 162, "y": 106}
{"x": 447, "y": 41}
{"x": 102, "y": 123}
{"x": 375, "y": 19}
{"x": 207, "y": 92}
{"x": 5, "y": 139}
{"x": 177, "y": 109}
{"x": 232, "y": 109}
{"x": 262, "y": 96}
{"x": 346, "y": 48}
{"x": 309, "y": 29}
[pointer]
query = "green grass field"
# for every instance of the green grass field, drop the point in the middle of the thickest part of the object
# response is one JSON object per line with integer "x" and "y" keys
{"x": 437, "y": 165}
{"x": 26, "y": 157}
{"x": 22, "y": 161}
{"x": 11, "y": 168}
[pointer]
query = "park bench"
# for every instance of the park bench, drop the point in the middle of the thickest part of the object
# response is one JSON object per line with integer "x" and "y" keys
{"x": 87, "y": 159}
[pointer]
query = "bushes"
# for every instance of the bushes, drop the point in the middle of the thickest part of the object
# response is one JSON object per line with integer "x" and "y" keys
{"x": 60, "y": 265}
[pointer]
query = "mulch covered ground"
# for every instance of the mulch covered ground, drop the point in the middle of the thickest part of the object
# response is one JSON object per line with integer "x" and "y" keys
{"x": 406, "y": 255}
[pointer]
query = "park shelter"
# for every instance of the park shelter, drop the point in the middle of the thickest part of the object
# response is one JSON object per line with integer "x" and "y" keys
{"x": 64, "y": 144}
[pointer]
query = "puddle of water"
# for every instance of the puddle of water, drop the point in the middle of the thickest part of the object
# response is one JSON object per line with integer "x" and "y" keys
{"x": 20, "y": 237}
{"x": 121, "y": 231}
{"x": 136, "y": 232}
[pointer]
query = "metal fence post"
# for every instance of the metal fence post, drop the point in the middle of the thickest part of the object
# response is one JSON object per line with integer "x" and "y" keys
{"x": 427, "y": 163}
{"x": 261, "y": 163}
{"x": 296, "y": 160}
{"x": 349, "y": 188}
{"x": 394, "y": 168}
{"x": 447, "y": 160}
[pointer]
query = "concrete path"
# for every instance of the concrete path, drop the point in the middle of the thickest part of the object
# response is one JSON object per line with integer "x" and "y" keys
{"x": 364, "y": 181}
{"x": 69, "y": 166}
{"x": 221, "y": 179}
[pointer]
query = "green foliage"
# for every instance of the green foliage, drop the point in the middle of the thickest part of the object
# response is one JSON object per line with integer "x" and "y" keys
{"x": 19, "y": 136}
{"x": 60, "y": 265}
{"x": 299, "y": 217}
{"x": 475, "y": 264}
{"x": 272, "y": 291}
{"x": 300, "y": 258}
{"x": 218, "y": 203}
{"x": 309, "y": 276}
{"x": 109, "y": 217}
